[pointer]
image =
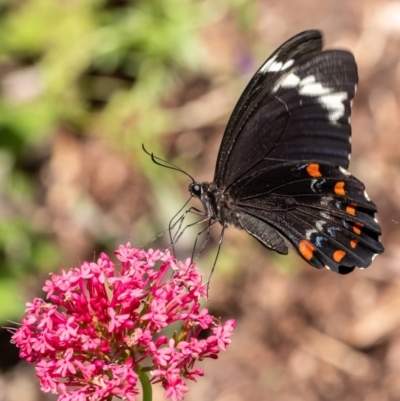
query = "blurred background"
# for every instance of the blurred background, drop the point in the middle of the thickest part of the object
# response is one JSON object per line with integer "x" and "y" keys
{"x": 84, "y": 83}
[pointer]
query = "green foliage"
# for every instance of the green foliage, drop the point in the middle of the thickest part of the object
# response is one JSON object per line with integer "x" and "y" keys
{"x": 11, "y": 306}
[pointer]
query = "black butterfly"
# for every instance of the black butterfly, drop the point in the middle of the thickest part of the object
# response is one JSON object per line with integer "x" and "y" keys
{"x": 281, "y": 171}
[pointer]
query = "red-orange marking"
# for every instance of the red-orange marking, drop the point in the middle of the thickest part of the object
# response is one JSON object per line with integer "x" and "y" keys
{"x": 306, "y": 249}
{"x": 351, "y": 209}
{"x": 339, "y": 188}
{"x": 313, "y": 170}
{"x": 357, "y": 228}
{"x": 338, "y": 255}
{"x": 353, "y": 243}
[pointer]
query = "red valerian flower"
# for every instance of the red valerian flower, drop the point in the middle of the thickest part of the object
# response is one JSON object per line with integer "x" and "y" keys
{"x": 103, "y": 326}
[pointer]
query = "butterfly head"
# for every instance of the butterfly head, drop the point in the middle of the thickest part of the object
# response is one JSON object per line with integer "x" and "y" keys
{"x": 206, "y": 194}
{"x": 195, "y": 189}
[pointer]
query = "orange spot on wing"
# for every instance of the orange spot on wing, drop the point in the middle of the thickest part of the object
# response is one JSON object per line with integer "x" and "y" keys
{"x": 338, "y": 255}
{"x": 339, "y": 188}
{"x": 351, "y": 209}
{"x": 357, "y": 228}
{"x": 306, "y": 249}
{"x": 313, "y": 170}
{"x": 353, "y": 243}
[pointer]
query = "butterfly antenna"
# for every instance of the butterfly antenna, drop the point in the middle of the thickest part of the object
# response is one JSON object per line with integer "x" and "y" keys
{"x": 164, "y": 163}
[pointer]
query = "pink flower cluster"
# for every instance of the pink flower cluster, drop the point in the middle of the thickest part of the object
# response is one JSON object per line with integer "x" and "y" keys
{"x": 104, "y": 326}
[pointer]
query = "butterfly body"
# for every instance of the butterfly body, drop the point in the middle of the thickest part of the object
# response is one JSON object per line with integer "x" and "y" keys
{"x": 281, "y": 172}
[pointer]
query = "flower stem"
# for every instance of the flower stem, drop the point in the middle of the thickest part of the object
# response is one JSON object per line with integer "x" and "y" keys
{"x": 146, "y": 385}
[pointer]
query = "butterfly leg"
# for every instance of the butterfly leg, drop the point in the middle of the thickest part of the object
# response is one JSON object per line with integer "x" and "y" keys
{"x": 216, "y": 258}
{"x": 174, "y": 238}
{"x": 208, "y": 228}
{"x": 179, "y": 234}
{"x": 173, "y": 223}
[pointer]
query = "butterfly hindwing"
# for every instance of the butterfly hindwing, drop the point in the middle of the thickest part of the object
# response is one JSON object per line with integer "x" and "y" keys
{"x": 320, "y": 208}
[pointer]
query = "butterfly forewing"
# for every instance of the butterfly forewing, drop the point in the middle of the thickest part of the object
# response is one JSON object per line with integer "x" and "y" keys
{"x": 300, "y": 45}
{"x": 307, "y": 42}
{"x": 302, "y": 114}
